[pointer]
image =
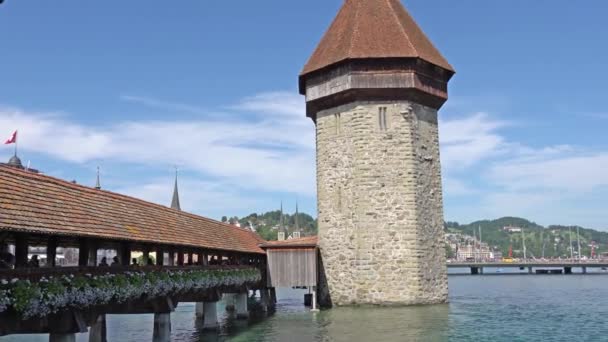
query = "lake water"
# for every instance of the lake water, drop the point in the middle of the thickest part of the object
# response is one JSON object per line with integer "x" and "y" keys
{"x": 481, "y": 308}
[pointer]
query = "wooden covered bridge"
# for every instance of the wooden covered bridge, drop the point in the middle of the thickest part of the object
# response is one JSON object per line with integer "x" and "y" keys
{"x": 195, "y": 259}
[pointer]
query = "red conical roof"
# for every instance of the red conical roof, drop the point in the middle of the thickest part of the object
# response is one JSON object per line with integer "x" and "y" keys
{"x": 373, "y": 29}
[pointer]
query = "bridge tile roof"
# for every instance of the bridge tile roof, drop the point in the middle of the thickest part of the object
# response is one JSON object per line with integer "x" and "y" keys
{"x": 42, "y": 204}
{"x": 373, "y": 29}
{"x": 308, "y": 241}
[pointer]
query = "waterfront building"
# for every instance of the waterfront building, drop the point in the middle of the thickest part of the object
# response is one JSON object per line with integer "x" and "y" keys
{"x": 510, "y": 229}
{"x": 474, "y": 252}
{"x": 373, "y": 87}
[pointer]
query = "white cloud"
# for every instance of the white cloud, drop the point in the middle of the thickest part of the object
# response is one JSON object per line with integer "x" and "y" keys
{"x": 457, "y": 187}
{"x": 564, "y": 172}
{"x": 283, "y": 103}
{"x": 271, "y": 149}
{"x": 211, "y": 199}
{"x": 172, "y": 106}
{"x": 502, "y": 177}
{"x": 263, "y": 154}
{"x": 466, "y": 141}
{"x": 596, "y": 115}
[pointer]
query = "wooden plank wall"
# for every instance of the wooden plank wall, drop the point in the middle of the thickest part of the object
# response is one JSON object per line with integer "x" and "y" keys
{"x": 292, "y": 267}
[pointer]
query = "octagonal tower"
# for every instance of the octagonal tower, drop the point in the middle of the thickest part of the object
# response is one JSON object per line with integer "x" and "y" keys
{"x": 373, "y": 87}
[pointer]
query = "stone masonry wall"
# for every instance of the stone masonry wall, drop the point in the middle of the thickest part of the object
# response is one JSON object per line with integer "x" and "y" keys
{"x": 380, "y": 205}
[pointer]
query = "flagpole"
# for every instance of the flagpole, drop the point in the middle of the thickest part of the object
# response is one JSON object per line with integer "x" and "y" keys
{"x": 16, "y": 140}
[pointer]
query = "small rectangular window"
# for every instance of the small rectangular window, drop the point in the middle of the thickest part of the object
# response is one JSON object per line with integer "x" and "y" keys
{"x": 338, "y": 123}
{"x": 382, "y": 121}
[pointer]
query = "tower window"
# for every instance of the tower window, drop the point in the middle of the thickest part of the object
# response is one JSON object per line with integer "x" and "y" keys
{"x": 338, "y": 123}
{"x": 382, "y": 121}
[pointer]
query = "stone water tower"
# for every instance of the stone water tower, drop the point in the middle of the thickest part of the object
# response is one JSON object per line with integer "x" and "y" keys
{"x": 373, "y": 87}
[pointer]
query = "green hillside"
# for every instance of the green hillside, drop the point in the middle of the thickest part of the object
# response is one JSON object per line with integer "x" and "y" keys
{"x": 266, "y": 224}
{"x": 551, "y": 241}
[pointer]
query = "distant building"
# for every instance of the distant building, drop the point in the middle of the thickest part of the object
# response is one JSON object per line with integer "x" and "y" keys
{"x": 511, "y": 229}
{"x": 472, "y": 252}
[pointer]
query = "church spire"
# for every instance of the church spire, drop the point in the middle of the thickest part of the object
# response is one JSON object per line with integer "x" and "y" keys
{"x": 175, "y": 200}
{"x": 281, "y": 220}
{"x": 297, "y": 214}
{"x": 98, "y": 183}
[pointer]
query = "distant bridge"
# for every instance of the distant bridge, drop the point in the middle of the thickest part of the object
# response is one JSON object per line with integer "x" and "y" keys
{"x": 533, "y": 266}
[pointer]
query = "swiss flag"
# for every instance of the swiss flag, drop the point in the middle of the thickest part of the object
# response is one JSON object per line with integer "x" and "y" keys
{"x": 12, "y": 139}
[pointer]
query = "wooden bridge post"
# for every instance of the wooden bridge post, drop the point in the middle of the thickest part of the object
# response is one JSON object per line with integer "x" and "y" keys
{"x": 190, "y": 258}
{"x": 241, "y": 305}
{"x": 51, "y": 251}
{"x": 180, "y": 258}
{"x": 21, "y": 250}
{"x": 229, "y": 299}
{"x": 265, "y": 301}
{"x": 146, "y": 256}
{"x": 83, "y": 253}
{"x": 160, "y": 256}
{"x": 97, "y": 333}
{"x": 210, "y": 316}
{"x": 273, "y": 296}
{"x": 171, "y": 258}
{"x": 162, "y": 327}
{"x": 124, "y": 254}
{"x": 93, "y": 245}
{"x": 199, "y": 309}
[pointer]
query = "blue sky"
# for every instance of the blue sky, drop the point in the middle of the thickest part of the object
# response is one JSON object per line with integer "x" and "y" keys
{"x": 137, "y": 87}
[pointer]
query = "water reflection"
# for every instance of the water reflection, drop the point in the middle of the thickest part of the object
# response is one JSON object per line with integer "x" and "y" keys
{"x": 482, "y": 308}
{"x": 417, "y": 323}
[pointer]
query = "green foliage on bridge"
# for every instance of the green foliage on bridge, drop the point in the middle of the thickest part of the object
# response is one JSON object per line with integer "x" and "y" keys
{"x": 52, "y": 294}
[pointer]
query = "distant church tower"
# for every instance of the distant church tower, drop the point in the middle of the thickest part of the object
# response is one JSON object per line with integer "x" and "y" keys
{"x": 175, "y": 199}
{"x": 373, "y": 87}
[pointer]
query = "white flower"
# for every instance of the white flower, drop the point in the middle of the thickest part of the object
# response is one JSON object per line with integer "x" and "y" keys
{"x": 89, "y": 295}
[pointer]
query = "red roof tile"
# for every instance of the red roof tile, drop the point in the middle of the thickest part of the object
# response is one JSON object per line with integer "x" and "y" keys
{"x": 46, "y": 205}
{"x": 373, "y": 29}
